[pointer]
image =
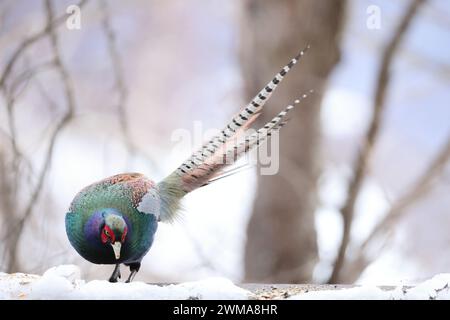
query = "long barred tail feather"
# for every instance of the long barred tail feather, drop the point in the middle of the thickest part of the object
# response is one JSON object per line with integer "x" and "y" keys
{"x": 231, "y": 151}
{"x": 242, "y": 120}
{"x": 208, "y": 163}
{"x": 230, "y": 172}
{"x": 243, "y": 147}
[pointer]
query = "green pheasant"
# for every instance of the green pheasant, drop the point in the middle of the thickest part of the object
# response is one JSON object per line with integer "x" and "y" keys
{"x": 114, "y": 221}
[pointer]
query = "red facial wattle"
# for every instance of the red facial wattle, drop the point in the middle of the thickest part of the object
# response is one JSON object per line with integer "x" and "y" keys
{"x": 108, "y": 234}
{"x": 124, "y": 234}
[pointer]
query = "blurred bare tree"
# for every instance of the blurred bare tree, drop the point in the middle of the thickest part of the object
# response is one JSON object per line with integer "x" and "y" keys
{"x": 348, "y": 267}
{"x": 22, "y": 183}
{"x": 281, "y": 236}
{"x": 15, "y": 165}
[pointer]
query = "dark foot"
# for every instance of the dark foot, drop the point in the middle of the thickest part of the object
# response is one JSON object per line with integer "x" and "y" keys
{"x": 134, "y": 268}
{"x": 116, "y": 274}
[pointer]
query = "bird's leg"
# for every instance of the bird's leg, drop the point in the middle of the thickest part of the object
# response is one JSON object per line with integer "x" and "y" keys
{"x": 134, "y": 268}
{"x": 116, "y": 274}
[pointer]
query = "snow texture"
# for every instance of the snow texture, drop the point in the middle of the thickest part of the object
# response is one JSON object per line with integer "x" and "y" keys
{"x": 436, "y": 288}
{"x": 63, "y": 282}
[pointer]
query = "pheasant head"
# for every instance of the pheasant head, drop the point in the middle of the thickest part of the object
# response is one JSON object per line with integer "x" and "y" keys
{"x": 113, "y": 231}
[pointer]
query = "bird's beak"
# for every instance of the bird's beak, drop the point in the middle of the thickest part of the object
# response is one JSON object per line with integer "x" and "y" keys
{"x": 116, "y": 247}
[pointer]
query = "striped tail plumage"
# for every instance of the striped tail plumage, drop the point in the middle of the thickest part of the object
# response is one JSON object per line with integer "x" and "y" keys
{"x": 207, "y": 164}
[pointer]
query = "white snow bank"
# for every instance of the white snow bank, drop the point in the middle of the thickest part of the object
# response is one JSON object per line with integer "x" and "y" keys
{"x": 64, "y": 282}
{"x": 435, "y": 288}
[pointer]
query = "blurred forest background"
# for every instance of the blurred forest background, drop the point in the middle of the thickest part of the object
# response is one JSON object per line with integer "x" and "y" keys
{"x": 362, "y": 192}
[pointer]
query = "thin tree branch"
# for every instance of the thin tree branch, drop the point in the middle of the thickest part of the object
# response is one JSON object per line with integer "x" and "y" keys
{"x": 382, "y": 84}
{"x": 419, "y": 190}
{"x": 68, "y": 91}
{"x": 28, "y": 74}
{"x": 12, "y": 94}
{"x": 116, "y": 62}
{"x": 25, "y": 44}
{"x": 120, "y": 86}
{"x": 70, "y": 101}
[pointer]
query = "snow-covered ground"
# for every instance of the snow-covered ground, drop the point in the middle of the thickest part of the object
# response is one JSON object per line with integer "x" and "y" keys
{"x": 434, "y": 289}
{"x": 64, "y": 282}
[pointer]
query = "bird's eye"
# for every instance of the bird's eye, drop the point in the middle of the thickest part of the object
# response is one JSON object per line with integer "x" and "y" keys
{"x": 108, "y": 235}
